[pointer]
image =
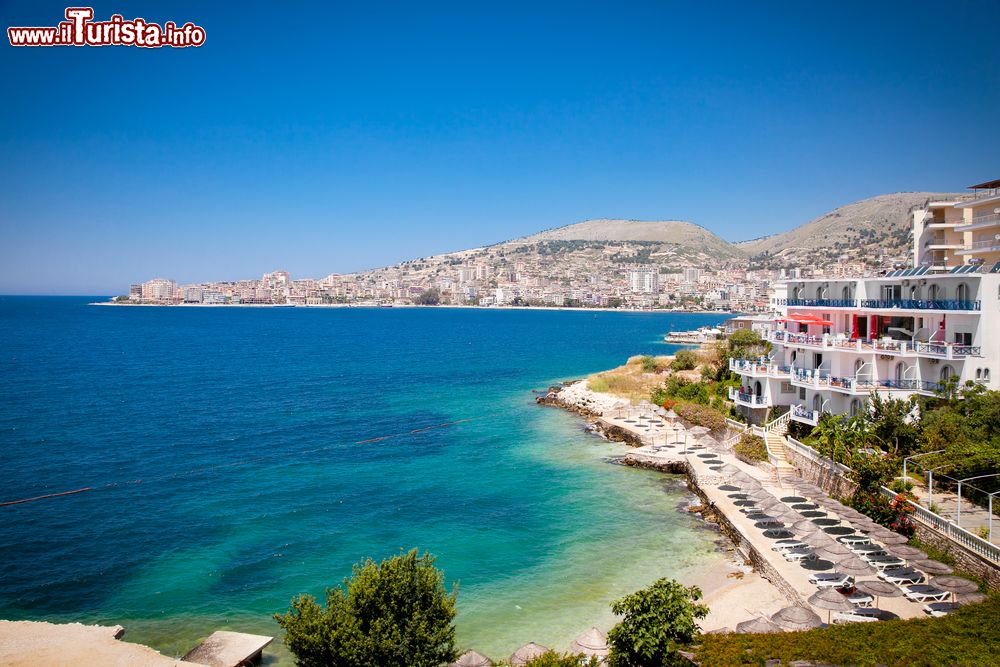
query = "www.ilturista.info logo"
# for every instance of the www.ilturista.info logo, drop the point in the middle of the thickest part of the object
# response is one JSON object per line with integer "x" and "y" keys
{"x": 79, "y": 29}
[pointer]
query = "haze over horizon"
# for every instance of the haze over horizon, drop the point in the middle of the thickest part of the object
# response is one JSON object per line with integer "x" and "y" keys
{"x": 336, "y": 138}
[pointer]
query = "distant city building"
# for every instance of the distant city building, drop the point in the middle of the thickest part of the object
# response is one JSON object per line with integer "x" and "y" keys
{"x": 159, "y": 289}
{"x": 645, "y": 280}
{"x": 692, "y": 275}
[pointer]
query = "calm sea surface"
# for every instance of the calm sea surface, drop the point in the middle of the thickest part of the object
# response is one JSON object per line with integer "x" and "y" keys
{"x": 246, "y": 429}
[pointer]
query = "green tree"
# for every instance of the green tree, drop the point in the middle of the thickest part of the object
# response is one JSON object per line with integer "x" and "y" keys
{"x": 396, "y": 613}
{"x": 429, "y": 297}
{"x": 554, "y": 659}
{"x": 895, "y": 423}
{"x": 656, "y": 622}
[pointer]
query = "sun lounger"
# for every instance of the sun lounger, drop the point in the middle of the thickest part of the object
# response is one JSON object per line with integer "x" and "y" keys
{"x": 865, "y": 550}
{"x": 938, "y": 609}
{"x": 856, "y": 616}
{"x": 796, "y": 555}
{"x": 861, "y": 599}
{"x": 883, "y": 562}
{"x": 830, "y": 580}
{"x": 785, "y": 545}
{"x": 854, "y": 540}
{"x": 925, "y": 594}
{"x": 901, "y": 576}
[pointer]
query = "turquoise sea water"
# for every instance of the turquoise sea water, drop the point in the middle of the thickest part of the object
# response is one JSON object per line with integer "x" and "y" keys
{"x": 245, "y": 428}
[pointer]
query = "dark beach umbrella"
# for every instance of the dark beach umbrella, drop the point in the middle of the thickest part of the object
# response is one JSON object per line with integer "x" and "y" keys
{"x": 592, "y": 642}
{"x": 526, "y": 653}
{"x": 907, "y": 552}
{"x": 831, "y": 600}
{"x": 879, "y": 589}
{"x": 757, "y": 626}
{"x": 797, "y": 618}
{"x": 471, "y": 659}
{"x": 931, "y": 566}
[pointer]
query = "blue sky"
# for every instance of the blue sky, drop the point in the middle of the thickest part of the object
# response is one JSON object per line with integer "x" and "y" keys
{"x": 332, "y": 137}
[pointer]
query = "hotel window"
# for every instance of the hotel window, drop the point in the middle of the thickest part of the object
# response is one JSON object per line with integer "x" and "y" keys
{"x": 802, "y": 393}
{"x": 963, "y": 338}
{"x": 786, "y": 388}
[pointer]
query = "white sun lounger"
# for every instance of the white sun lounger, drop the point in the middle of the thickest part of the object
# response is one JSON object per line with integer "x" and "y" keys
{"x": 854, "y": 540}
{"x": 900, "y": 578}
{"x": 796, "y": 555}
{"x": 885, "y": 562}
{"x": 830, "y": 580}
{"x": 856, "y": 616}
{"x": 861, "y": 599}
{"x": 925, "y": 594}
{"x": 938, "y": 609}
{"x": 786, "y": 544}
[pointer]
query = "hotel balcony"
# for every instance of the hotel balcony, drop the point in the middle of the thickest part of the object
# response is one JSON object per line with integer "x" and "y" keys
{"x": 981, "y": 246}
{"x": 801, "y": 414}
{"x": 823, "y": 303}
{"x": 757, "y": 368}
{"x": 860, "y": 386}
{"x": 941, "y": 243}
{"x": 878, "y": 346}
{"x": 748, "y": 400}
{"x": 980, "y": 222}
{"x": 922, "y": 304}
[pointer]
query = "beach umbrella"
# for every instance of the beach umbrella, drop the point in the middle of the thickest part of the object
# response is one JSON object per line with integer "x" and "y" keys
{"x": 953, "y": 584}
{"x": 592, "y": 642}
{"x": 931, "y": 566}
{"x": 831, "y": 600}
{"x": 818, "y": 539}
{"x": 879, "y": 589}
{"x": 853, "y": 566}
{"x": 970, "y": 598}
{"x": 811, "y": 490}
{"x": 907, "y": 552}
{"x": 526, "y": 653}
{"x": 797, "y": 618}
{"x": 729, "y": 469}
{"x": 833, "y": 552}
{"x": 757, "y": 626}
{"x": 806, "y": 526}
{"x": 472, "y": 659}
{"x": 892, "y": 538}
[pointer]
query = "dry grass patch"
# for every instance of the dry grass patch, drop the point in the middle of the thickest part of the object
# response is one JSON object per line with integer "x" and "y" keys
{"x": 634, "y": 381}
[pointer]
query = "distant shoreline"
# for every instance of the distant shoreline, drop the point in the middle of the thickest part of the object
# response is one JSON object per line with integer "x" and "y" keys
{"x": 451, "y": 306}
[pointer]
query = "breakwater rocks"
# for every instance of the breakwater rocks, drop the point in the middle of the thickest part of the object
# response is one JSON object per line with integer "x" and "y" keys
{"x": 575, "y": 395}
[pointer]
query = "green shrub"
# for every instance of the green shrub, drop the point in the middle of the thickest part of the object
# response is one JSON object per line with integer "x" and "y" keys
{"x": 751, "y": 448}
{"x": 702, "y": 415}
{"x": 396, "y": 613}
{"x": 554, "y": 659}
{"x": 685, "y": 360}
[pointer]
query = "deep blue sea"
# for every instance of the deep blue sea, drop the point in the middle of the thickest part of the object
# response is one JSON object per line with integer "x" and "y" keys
{"x": 235, "y": 462}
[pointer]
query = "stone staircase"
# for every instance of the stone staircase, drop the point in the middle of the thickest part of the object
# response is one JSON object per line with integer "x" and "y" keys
{"x": 775, "y": 437}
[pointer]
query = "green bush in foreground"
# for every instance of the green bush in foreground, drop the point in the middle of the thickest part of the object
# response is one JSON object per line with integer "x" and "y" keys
{"x": 967, "y": 636}
{"x": 684, "y": 360}
{"x": 656, "y": 622}
{"x": 396, "y": 613}
{"x": 750, "y": 448}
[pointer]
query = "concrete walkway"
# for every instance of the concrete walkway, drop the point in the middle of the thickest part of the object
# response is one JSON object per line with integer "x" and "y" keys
{"x": 973, "y": 516}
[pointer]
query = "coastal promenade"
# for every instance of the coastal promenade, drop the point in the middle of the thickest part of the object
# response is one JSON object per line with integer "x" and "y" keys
{"x": 722, "y": 481}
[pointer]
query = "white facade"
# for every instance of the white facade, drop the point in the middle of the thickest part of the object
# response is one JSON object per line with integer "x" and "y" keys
{"x": 644, "y": 280}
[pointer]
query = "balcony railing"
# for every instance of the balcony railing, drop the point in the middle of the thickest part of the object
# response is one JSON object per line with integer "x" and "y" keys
{"x": 980, "y": 221}
{"x": 755, "y": 367}
{"x": 858, "y": 385}
{"x": 753, "y": 400}
{"x": 921, "y": 304}
{"x": 801, "y": 414}
{"x": 824, "y": 303}
{"x": 983, "y": 244}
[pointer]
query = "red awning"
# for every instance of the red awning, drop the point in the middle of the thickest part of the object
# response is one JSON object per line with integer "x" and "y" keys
{"x": 806, "y": 319}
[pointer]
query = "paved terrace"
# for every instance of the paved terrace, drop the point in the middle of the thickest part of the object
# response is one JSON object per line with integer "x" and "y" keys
{"x": 732, "y": 486}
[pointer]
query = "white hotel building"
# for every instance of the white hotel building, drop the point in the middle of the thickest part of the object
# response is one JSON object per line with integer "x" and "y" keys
{"x": 896, "y": 334}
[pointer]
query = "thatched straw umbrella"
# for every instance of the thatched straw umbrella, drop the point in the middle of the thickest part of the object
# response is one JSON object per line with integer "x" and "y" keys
{"x": 757, "y": 626}
{"x": 472, "y": 659}
{"x": 833, "y": 552}
{"x": 970, "y": 598}
{"x": 931, "y": 566}
{"x": 806, "y": 527}
{"x": 831, "y": 600}
{"x": 797, "y": 618}
{"x": 907, "y": 552}
{"x": 879, "y": 589}
{"x": 526, "y": 653}
{"x": 891, "y": 538}
{"x": 818, "y": 539}
{"x": 592, "y": 642}
{"x": 854, "y": 566}
{"x": 950, "y": 582}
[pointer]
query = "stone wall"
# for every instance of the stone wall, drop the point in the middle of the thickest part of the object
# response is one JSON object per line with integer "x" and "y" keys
{"x": 964, "y": 559}
{"x": 820, "y": 474}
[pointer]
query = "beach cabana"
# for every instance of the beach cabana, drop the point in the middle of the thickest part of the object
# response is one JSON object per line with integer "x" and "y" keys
{"x": 797, "y": 618}
{"x": 593, "y": 642}
{"x": 529, "y": 651}
{"x": 757, "y": 626}
{"x": 472, "y": 659}
{"x": 831, "y": 600}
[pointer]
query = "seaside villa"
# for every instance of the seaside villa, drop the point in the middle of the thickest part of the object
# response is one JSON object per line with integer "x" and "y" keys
{"x": 838, "y": 340}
